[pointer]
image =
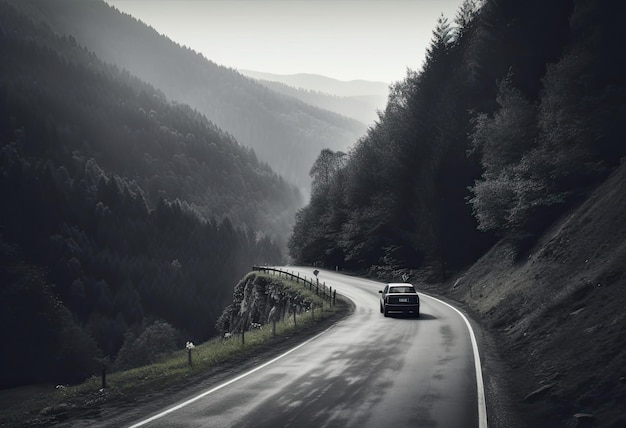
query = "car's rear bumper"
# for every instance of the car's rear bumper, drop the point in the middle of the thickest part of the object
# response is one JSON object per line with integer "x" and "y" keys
{"x": 402, "y": 309}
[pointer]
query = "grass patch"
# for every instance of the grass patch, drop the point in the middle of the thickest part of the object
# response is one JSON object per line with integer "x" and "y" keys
{"x": 46, "y": 404}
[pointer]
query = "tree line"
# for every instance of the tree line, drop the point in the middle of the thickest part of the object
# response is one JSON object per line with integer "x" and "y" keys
{"x": 514, "y": 115}
{"x": 124, "y": 215}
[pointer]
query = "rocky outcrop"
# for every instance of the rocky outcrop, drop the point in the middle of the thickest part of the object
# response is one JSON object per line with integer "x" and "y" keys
{"x": 259, "y": 299}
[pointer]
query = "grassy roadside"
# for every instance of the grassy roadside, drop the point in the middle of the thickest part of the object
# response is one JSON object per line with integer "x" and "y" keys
{"x": 46, "y": 405}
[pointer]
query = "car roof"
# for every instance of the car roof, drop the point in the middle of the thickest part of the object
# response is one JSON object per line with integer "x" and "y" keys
{"x": 399, "y": 284}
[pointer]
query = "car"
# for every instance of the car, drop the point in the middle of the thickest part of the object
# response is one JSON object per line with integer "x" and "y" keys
{"x": 399, "y": 298}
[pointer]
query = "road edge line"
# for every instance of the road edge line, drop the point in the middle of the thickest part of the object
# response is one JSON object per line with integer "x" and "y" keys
{"x": 480, "y": 387}
{"x": 225, "y": 384}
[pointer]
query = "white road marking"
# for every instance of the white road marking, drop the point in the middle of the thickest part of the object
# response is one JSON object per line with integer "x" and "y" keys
{"x": 480, "y": 388}
{"x": 225, "y": 384}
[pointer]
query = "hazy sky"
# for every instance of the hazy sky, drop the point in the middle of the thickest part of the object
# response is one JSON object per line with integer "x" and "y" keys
{"x": 343, "y": 39}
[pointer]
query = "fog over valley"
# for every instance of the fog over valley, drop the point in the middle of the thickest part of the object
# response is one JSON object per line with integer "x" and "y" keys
{"x": 192, "y": 189}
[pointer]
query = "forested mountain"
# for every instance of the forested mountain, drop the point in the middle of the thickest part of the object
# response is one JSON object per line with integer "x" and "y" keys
{"x": 123, "y": 214}
{"x": 284, "y": 132}
{"x": 516, "y": 113}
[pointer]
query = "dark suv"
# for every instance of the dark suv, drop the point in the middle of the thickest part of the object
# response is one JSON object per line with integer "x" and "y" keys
{"x": 399, "y": 298}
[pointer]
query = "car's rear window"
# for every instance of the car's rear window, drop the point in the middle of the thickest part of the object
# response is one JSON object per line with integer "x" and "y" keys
{"x": 402, "y": 290}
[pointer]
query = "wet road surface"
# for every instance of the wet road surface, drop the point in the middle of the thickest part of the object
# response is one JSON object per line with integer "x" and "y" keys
{"x": 366, "y": 371}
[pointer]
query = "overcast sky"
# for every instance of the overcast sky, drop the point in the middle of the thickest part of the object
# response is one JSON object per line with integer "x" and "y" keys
{"x": 343, "y": 39}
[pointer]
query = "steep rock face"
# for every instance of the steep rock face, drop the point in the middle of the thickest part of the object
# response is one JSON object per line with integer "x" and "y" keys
{"x": 559, "y": 310}
{"x": 259, "y": 299}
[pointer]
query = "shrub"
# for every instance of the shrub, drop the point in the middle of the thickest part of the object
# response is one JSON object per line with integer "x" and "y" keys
{"x": 157, "y": 339}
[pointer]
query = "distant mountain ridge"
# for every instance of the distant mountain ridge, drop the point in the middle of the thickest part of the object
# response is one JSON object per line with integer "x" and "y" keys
{"x": 316, "y": 82}
{"x": 366, "y": 101}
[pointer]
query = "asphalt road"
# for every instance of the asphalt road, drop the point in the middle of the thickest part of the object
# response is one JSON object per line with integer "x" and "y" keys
{"x": 365, "y": 371}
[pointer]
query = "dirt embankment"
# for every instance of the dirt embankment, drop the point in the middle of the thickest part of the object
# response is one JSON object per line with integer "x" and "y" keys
{"x": 558, "y": 314}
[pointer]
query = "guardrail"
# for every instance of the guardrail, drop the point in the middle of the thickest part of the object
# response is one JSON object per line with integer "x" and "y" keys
{"x": 326, "y": 293}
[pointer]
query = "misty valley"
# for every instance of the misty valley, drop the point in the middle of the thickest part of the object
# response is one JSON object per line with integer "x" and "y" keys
{"x": 140, "y": 181}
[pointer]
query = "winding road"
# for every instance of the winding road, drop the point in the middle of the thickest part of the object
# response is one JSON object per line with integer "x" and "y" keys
{"x": 365, "y": 371}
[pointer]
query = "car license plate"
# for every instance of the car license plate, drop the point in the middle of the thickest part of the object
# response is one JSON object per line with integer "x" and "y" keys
{"x": 403, "y": 300}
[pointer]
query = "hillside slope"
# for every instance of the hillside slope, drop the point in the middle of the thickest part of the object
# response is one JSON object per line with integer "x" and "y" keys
{"x": 283, "y": 131}
{"x": 558, "y": 310}
{"x": 120, "y": 209}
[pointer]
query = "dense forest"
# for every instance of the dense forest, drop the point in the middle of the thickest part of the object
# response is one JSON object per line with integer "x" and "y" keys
{"x": 516, "y": 113}
{"x": 124, "y": 217}
{"x": 283, "y": 131}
